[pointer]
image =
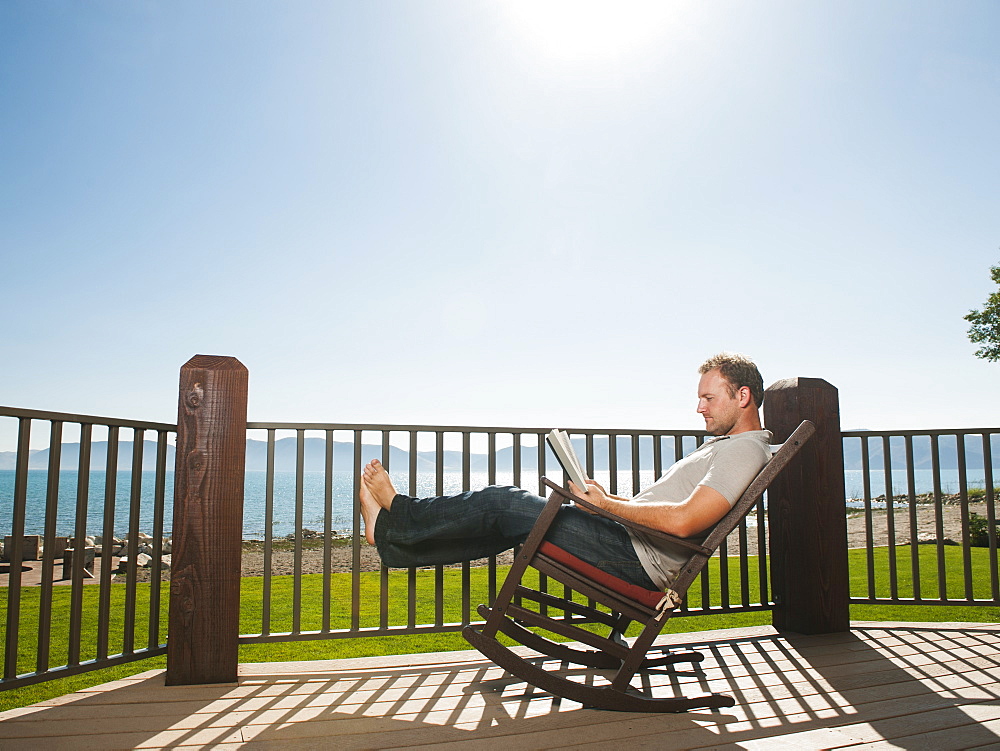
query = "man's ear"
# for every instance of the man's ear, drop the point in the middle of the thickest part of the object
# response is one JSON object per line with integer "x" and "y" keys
{"x": 746, "y": 398}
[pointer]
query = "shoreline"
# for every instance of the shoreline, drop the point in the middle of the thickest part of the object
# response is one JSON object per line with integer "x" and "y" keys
{"x": 282, "y": 561}
{"x": 342, "y": 548}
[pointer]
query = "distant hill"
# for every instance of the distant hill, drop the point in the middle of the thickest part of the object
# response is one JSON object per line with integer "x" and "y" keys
{"x": 947, "y": 452}
{"x": 70, "y": 456}
{"x": 314, "y": 455}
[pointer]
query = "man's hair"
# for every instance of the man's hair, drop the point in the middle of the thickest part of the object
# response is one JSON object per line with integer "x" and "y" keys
{"x": 739, "y": 371}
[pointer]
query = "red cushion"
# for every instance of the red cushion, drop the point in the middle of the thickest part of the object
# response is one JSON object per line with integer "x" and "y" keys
{"x": 648, "y": 597}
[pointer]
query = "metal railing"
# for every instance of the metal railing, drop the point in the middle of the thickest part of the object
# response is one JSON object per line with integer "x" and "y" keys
{"x": 928, "y": 503}
{"x": 319, "y": 466}
{"x": 85, "y": 615}
{"x": 76, "y": 476}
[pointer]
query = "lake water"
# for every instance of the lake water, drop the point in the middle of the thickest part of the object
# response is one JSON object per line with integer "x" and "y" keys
{"x": 314, "y": 494}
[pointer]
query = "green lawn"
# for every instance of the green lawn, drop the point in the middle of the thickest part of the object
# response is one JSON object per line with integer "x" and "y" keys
{"x": 426, "y": 611}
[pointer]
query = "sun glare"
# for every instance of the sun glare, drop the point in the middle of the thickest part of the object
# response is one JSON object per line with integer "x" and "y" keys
{"x": 590, "y": 29}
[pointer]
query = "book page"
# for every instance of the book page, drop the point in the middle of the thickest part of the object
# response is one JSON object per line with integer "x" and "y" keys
{"x": 563, "y": 449}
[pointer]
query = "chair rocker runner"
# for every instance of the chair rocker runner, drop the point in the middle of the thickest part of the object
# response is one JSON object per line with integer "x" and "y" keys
{"x": 627, "y": 603}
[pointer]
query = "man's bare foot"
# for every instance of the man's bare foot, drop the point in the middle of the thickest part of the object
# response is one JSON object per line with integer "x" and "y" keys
{"x": 377, "y": 481}
{"x": 369, "y": 511}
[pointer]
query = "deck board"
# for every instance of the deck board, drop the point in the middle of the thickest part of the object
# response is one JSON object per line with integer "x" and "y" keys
{"x": 878, "y": 686}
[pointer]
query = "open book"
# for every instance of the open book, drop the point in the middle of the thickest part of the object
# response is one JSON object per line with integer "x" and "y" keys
{"x": 563, "y": 449}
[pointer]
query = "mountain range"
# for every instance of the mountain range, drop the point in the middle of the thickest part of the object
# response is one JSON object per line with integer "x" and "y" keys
{"x": 343, "y": 455}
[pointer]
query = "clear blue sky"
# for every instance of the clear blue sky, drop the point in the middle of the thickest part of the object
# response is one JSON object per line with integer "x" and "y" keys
{"x": 498, "y": 213}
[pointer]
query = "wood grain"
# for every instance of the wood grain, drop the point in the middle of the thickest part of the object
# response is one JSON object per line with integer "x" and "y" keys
{"x": 806, "y": 518}
{"x": 208, "y": 521}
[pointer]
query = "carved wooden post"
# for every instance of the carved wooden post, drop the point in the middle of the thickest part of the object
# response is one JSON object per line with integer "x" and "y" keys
{"x": 208, "y": 521}
{"x": 806, "y": 512}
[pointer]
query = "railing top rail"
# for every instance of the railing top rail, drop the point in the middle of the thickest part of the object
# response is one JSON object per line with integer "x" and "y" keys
{"x": 464, "y": 429}
{"x": 926, "y": 432}
{"x": 37, "y": 414}
{"x": 374, "y": 427}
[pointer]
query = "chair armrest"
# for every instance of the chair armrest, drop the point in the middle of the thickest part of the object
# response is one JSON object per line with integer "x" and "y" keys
{"x": 568, "y": 495}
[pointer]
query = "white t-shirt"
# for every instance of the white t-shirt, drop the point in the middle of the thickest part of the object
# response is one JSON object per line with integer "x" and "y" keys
{"x": 726, "y": 464}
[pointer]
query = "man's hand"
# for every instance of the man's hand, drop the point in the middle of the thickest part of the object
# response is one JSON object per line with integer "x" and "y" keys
{"x": 695, "y": 514}
{"x": 594, "y": 493}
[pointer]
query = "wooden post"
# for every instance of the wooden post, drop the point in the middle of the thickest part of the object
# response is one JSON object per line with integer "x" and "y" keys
{"x": 806, "y": 512}
{"x": 208, "y": 522}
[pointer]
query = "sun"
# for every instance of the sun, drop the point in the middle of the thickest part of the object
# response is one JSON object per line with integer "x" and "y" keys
{"x": 591, "y": 29}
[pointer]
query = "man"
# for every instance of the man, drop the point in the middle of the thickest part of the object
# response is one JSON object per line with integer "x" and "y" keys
{"x": 690, "y": 498}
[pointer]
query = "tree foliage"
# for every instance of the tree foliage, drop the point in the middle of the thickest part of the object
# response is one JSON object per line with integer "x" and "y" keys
{"x": 985, "y": 327}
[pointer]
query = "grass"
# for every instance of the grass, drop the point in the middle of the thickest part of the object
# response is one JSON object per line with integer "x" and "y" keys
{"x": 979, "y": 494}
{"x": 422, "y": 600}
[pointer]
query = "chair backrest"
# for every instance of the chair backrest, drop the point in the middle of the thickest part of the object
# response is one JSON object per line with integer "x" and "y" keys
{"x": 781, "y": 455}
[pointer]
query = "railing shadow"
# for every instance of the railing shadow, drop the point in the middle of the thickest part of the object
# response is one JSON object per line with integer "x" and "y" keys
{"x": 903, "y": 684}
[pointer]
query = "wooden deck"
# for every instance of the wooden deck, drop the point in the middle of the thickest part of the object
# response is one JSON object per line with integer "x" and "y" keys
{"x": 933, "y": 686}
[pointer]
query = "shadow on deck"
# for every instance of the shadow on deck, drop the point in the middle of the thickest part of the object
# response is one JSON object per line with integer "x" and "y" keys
{"x": 881, "y": 685}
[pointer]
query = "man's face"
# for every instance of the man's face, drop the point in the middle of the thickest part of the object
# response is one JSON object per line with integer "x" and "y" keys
{"x": 720, "y": 410}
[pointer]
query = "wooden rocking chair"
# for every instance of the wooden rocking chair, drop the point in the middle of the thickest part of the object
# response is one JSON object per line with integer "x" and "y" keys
{"x": 627, "y": 603}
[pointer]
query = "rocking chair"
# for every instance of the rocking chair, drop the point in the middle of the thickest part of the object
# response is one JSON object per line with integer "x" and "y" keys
{"x": 627, "y": 603}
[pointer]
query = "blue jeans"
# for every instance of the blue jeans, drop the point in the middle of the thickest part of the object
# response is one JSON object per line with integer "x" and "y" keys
{"x": 480, "y": 523}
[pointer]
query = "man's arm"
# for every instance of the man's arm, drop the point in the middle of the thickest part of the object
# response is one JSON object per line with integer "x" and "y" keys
{"x": 696, "y": 513}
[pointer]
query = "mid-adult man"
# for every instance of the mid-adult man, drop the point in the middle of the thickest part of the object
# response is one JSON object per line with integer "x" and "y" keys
{"x": 687, "y": 500}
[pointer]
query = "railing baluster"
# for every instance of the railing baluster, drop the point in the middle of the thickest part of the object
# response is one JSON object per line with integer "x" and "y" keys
{"x": 439, "y": 595}
{"x": 763, "y": 582}
{"x": 265, "y": 613}
{"x": 159, "y": 501}
{"x": 438, "y": 490}
{"x": 911, "y": 496}
{"x": 52, "y": 480}
{"x": 991, "y": 515}
{"x": 657, "y": 457}
{"x": 411, "y": 573}
{"x": 383, "y": 597}
{"x": 491, "y": 563}
{"x": 613, "y": 463}
{"x": 108, "y": 531}
{"x": 327, "y": 529}
{"x": 79, "y": 544}
{"x": 706, "y": 589}
{"x": 636, "y": 481}
{"x": 135, "y": 504}
{"x": 890, "y": 516}
{"x": 541, "y": 461}
{"x": 466, "y": 485}
{"x": 540, "y": 470}
{"x": 413, "y": 464}
{"x": 491, "y": 452}
{"x": 356, "y": 536}
{"x": 16, "y": 554}
{"x": 517, "y": 460}
{"x": 383, "y": 571}
{"x": 939, "y": 518}
{"x": 300, "y": 462}
{"x": 438, "y": 462}
{"x": 963, "y": 491}
{"x": 411, "y": 597}
{"x": 744, "y": 564}
{"x": 724, "y": 574}
{"x": 869, "y": 530}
